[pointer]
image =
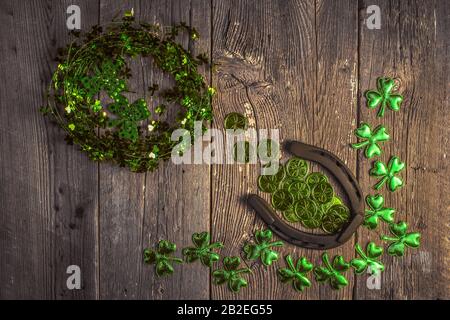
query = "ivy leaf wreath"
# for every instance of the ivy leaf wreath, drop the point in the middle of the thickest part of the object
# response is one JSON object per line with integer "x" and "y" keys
{"x": 115, "y": 128}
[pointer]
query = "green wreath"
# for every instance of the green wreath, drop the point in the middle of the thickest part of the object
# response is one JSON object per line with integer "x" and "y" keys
{"x": 95, "y": 66}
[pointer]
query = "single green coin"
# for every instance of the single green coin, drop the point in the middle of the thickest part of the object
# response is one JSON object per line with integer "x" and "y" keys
{"x": 282, "y": 200}
{"x": 315, "y": 178}
{"x": 331, "y": 223}
{"x": 298, "y": 188}
{"x": 235, "y": 121}
{"x": 322, "y": 192}
{"x": 268, "y": 183}
{"x": 297, "y": 167}
{"x": 305, "y": 209}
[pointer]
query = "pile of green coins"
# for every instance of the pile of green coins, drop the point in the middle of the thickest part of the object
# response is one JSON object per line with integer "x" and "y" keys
{"x": 306, "y": 198}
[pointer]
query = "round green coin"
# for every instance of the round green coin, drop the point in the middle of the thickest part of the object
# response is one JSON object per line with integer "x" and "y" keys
{"x": 335, "y": 218}
{"x": 297, "y": 167}
{"x": 315, "y": 178}
{"x": 282, "y": 200}
{"x": 272, "y": 182}
{"x": 298, "y": 188}
{"x": 322, "y": 192}
{"x": 235, "y": 121}
{"x": 331, "y": 224}
{"x": 268, "y": 183}
{"x": 305, "y": 209}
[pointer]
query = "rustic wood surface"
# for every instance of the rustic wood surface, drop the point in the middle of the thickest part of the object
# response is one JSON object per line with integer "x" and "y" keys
{"x": 298, "y": 66}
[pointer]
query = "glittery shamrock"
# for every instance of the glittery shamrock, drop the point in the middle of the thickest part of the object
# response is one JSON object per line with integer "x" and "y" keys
{"x": 369, "y": 259}
{"x": 231, "y": 274}
{"x": 377, "y": 211}
{"x": 370, "y": 139}
{"x": 384, "y": 96}
{"x": 332, "y": 273}
{"x": 162, "y": 258}
{"x": 128, "y": 116}
{"x": 203, "y": 249}
{"x": 296, "y": 273}
{"x": 388, "y": 173}
{"x": 401, "y": 239}
{"x": 261, "y": 249}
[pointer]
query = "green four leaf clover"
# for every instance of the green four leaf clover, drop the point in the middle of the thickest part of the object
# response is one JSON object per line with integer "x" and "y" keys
{"x": 377, "y": 211}
{"x": 231, "y": 274}
{"x": 369, "y": 259}
{"x": 384, "y": 96}
{"x": 261, "y": 249}
{"x": 401, "y": 239}
{"x": 332, "y": 273}
{"x": 388, "y": 173}
{"x": 162, "y": 258}
{"x": 296, "y": 273}
{"x": 203, "y": 249}
{"x": 370, "y": 139}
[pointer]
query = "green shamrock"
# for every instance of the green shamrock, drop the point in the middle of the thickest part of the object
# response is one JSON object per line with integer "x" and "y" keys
{"x": 231, "y": 274}
{"x": 384, "y": 96}
{"x": 203, "y": 249}
{"x": 332, "y": 273}
{"x": 128, "y": 116}
{"x": 401, "y": 239}
{"x": 388, "y": 173}
{"x": 162, "y": 258}
{"x": 371, "y": 139}
{"x": 296, "y": 273}
{"x": 368, "y": 259}
{"x": 262, "y": 248}
{"x": 377, "y": 211}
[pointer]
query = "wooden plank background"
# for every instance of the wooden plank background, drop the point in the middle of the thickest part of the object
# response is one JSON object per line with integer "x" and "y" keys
{"x": 296, "y": 65}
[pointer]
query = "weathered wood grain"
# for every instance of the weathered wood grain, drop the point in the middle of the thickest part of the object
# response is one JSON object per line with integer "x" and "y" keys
{"x": 335, "y": 109}
{"x": 48, "y": 207}
{"x": 286, "y": 66}
{"x": 171, "y": 203}
{"x": 121, "y": 200}
{"x": 177, "y": 197}
{"x": 296, "y": 65}
{"x": 74, "y": 195}
{"x": 412, "y": 46}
